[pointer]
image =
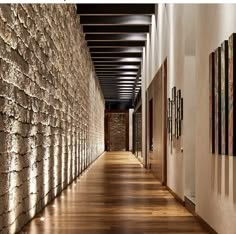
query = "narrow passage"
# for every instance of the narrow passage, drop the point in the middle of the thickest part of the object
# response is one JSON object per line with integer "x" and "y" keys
{"x": 116, "y": 195}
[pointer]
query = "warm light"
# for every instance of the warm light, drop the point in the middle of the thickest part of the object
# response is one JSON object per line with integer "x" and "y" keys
{"x": 125, "y": 82}
{"x": 125, "y": 85}
{"x": 63, "y": 162}
{"x": 53, "y": 206}
{"x": 130, "y": 59}
{"x": 69, "y": 138}
{"x": 46, "y": 168}
{"x": 42, "y": 219}
{"x": 55, "y": 169}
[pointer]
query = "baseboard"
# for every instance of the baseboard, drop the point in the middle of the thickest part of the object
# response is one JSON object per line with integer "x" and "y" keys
{"x": 175, "y": 196}
{"x": 205, "y": 224}
{"x": 191, "y": 207}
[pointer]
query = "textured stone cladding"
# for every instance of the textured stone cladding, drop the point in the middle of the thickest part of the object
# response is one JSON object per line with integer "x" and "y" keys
{"x": 51, "y": 108}
{"x": 117, "y": 131}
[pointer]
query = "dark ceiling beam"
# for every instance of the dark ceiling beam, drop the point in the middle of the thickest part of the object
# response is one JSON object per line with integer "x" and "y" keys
{"x": 130, "y": 81}
{"x": 116, "y": 70}
{"x": 115, "y": 37}
{"x": 115, "y": 9}
{"x": 116, "y": 43}
{"x": 116, "y": 55}
{"x": 114, "y": 88}
{"x": 109, "y": 85}
{"x": 116, "y": 92}
{"x": 116, "y": 20}
{"x": 111, "y": 60}
{"x": 117, "y": 80}
{"x": 116, "y": 29}
{"x": 117, "y": 67}
{"x": 109, "y": 89}
{"x": 116, "y": 50}
{"x": 116, "y": 73}
{"x": 114, "y": 63}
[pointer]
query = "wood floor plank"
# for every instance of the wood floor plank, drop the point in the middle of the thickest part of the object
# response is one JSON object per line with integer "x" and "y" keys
{"x": 116, "y": 195}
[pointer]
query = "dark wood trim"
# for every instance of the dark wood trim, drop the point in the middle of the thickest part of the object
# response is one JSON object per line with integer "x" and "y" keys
{"x": 189, "y": 205}
{"x": 116, "y": 111}
{"x": 205, "y": 224}
{"x": 175, "y": 196}
{"x": 145, "y": 132}
{"x": 165, "y": 127}
{"x": 201, "y": 220}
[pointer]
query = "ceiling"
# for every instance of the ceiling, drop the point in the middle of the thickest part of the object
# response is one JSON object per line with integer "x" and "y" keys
{"x": 116, "y": 35}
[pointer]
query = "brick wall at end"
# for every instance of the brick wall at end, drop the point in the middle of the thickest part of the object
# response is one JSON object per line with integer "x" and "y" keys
{"x": 118, "y": 131}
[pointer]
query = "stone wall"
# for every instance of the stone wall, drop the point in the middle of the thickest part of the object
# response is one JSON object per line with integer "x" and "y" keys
{"x": 51, "y": 108}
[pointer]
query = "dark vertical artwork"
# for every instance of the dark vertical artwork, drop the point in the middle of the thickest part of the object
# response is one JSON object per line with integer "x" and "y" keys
{"x": 224, "y": 98}
{"x": 232, "y": 96}
{"x": 173, "y": 112}
{"x": 217, "y": 101}
{"x": 212, "y": 103}
{"x": 179, "y": 116}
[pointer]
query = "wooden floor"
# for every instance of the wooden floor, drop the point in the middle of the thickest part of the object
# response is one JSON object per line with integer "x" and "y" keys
{"x": 116, "y": 195}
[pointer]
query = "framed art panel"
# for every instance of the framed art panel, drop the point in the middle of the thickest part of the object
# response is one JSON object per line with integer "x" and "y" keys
{"x": 173, "y": 113}
{"x": 217, "y": 97}
{"x": 212, "y": 103}
{"x": 224, "y": 98}
{"x": 182, "y": 109}
{"x": 232, "y": 96}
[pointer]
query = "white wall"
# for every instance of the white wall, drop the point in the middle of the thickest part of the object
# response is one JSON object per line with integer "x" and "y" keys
{"x": 186, "y": 34}
{"x": 171, "y": 37}
{"x": 189, "y": 96}
{"x": 214, "y": 24}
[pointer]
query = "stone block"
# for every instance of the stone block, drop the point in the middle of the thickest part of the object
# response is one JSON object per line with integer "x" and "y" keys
{"x": 6, "y": 14}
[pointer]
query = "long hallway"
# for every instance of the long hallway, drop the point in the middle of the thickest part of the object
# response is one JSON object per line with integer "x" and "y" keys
{"x": 115, "y": 195}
